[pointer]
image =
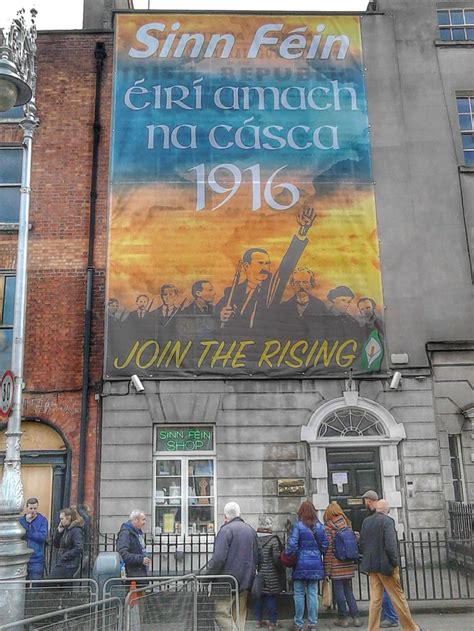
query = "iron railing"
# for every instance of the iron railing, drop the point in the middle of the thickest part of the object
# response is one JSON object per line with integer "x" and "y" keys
{"x": 461, "y": 519}
{"x": 430, "y": 567}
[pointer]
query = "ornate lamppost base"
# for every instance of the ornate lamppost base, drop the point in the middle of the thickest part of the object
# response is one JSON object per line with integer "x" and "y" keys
{"x": 14, "y": 556}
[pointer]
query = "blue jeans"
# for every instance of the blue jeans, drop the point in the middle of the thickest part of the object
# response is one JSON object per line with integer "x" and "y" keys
{"x": 342, "y": 589}
{"x": 34, "y": 573}
{"x": 311, "y": 601}
{"x": 268, "y": 602}
{"x": 388, "y": 612}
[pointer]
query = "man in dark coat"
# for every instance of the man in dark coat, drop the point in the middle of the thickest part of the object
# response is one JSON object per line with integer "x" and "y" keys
{"x": 380, "y": 561}
{"x": 131, "y": 545}
{"x": 246, "y": 305}
{"x": 236, "y": 553}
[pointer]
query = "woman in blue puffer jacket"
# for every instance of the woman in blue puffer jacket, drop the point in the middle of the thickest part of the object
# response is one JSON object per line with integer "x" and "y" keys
{"x": 308, "y": 542}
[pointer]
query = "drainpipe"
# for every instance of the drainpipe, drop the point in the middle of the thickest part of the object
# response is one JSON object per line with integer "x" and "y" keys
{"x": 99, "y": 54}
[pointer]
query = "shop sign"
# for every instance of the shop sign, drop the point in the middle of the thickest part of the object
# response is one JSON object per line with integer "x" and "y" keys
{"x": 291, "y": 487}
{"x": 175, "y": 438}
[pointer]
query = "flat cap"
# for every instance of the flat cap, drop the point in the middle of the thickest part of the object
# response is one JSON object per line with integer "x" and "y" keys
{"x": 370, "y": 495}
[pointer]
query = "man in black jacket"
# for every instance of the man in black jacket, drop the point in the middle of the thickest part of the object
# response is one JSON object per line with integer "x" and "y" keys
{"x": 236, "y": 553}
{"x": 131, "y": 545}
{"x": 379, "y": 545}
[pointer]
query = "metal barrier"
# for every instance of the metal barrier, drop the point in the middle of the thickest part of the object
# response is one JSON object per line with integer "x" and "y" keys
{"x": 186, "y": 602}
{"x": 50, "y": 595}
{"x": 102, "y": 615}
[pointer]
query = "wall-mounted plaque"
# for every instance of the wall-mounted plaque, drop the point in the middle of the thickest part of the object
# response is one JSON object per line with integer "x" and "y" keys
{"x": 289, "y": 486}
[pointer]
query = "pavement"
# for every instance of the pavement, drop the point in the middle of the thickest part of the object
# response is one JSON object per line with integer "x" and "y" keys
{"x": 434, "y": 621}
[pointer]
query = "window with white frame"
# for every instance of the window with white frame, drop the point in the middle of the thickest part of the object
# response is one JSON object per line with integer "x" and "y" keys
{"x": 10, "y": 182}
{"x": 184, "y": 480}
{"x": 465, "y": 106}
{"x": 456, "y": 25}
{"x": 7, "y": 296}
{"x": 457, "y": 469}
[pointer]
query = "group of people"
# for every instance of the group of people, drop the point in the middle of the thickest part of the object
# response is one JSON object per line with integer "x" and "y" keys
{"x": 313, "y": 549}
{"x": 68, "y": 539}
{"x": 255, "y": 302}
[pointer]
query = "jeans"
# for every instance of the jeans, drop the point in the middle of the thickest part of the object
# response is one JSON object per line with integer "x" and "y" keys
{"x": 311, "y": 601}
{"x": 342, "y": 589}
{"x": 268, "y": 602}
{"x": 388, "y": 612}
{"x": 34, "y": 573}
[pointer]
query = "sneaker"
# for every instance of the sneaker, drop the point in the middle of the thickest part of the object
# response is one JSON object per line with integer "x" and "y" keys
{"x": 341, "y": 622}
{"x": 295, "y": 627}
{"x": 356, "y": 622}
{"x": 260, "y": 624}
{"x": 386, "y": 623}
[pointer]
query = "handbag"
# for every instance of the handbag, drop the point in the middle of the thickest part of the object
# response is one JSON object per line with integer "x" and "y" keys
{"x": 257, "y": 586}
{"x": 288, "y": 560}
{"x": 327, "y": 594}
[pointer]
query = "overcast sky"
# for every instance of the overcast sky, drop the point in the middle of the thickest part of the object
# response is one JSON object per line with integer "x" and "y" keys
{"x": 67, "y": 14}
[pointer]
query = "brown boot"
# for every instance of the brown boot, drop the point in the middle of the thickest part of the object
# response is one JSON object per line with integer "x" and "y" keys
{"x": 341, "y": 622}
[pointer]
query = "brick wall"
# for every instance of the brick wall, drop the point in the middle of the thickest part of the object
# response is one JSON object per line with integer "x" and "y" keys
{"x": 58, "y": 241}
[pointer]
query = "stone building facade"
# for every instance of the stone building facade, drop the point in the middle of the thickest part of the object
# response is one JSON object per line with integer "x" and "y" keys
{"x": 269, "y": 431}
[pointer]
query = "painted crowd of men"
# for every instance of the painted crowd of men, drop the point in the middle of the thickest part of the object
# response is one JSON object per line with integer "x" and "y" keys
{"x": 252, "y": 306}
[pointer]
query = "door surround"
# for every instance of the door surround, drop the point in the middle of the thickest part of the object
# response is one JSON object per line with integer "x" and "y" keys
{"x": 387, "y": 442}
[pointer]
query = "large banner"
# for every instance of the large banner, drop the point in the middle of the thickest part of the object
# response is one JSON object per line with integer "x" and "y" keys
{"x": 242, "y": 232}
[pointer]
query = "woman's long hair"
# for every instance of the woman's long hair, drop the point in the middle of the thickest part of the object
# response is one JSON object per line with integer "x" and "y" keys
{"x": 71, "y": 512}
{"x": 307, "y": 513}
{"x": 334, "y": 510}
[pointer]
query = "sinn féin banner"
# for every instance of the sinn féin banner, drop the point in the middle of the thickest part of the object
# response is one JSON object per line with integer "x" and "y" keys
{"x": 242, "y": 233}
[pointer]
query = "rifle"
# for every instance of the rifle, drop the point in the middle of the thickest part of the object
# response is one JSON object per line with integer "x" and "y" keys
{"x": 235, "y": 282}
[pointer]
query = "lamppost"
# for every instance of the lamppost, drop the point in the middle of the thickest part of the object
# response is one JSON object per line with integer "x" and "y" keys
{"x": 17, "y": 87}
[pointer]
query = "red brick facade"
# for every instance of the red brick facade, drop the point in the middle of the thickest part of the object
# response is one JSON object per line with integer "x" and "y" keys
{"x": 58, "y": 240}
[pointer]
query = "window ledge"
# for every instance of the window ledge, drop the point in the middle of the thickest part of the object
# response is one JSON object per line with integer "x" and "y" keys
{"x": 463, "y": 169}
{"x": 461, "y": 43}
{"x": 9, "y": 227}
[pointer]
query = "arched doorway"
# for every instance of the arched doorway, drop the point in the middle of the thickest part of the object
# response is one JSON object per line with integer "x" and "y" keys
{"x": 353, "y": 443}
{"x": 44, "y": 466}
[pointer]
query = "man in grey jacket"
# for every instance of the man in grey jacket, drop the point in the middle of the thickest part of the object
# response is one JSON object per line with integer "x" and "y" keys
{"x": 236, "y": 553}
{"x": 378, "y": 540}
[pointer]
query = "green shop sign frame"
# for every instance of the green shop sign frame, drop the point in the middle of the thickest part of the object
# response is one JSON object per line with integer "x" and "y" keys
{"x": 185, "y": 439}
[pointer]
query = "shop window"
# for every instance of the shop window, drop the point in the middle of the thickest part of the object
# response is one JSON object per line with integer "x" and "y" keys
{"x": 10, "y": 182}
{"x": 455, "y": 456}
{"x": 351, "y": 422}
{"x": 465, "y": 105}
{"x": 7, "y": 297}
{"x": 456, "y": 25}
{"x": 184, "y": 480}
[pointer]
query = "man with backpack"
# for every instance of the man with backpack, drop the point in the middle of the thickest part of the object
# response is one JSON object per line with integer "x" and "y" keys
{"x": 339, "y": 564}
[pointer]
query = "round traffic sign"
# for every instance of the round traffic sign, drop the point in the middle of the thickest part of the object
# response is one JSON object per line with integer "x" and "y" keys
{"x": 7, "y": 387}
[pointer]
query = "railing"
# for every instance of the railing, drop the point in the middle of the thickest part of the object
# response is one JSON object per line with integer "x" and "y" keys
{"x": 48, "y": 595}
{"x": 461, "y": 518}
{"x": 431, "y": 568}
{"x": 184, "y": 602}
{"x": 102, "y": 615}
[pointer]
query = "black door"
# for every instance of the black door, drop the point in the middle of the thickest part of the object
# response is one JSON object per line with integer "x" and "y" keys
{"x": 351, "y": 473}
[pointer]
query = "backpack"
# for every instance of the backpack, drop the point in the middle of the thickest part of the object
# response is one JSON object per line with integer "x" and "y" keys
{"x": 345, "y": 545}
